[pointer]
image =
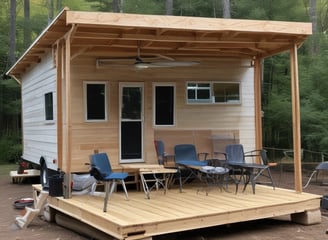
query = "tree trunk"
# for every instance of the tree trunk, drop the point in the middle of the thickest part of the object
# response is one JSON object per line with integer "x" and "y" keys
{"x": 59, "y": 5}
{"x": 169, "y": 7}
{"x": 50, "y": 11}
{"x": 116, "y": 6}
{"x": 226, "y": 9}
{"x": 27, "y": 24}
{"x": 315, "y": 48}
{"x": 313, "y": 16}
{"x": 12, "y": 32}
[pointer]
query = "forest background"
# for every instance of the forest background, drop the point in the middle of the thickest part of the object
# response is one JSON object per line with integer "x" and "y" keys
{"x": 21, "y": 21}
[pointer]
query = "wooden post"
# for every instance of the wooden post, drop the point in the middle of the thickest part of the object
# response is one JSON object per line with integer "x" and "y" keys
{"x": 67, "y": 155}
{"x": 257, "y": 100}
{"x": 59, "y": 66}
{"x": 296, "y": 119}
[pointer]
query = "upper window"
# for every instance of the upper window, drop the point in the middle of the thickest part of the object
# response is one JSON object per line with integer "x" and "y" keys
{"x": 95, "y": 99}
{"x": 226, "y": 92}
{"x": 48, "y": 106}
{"x": 199, "y": 92}
{"x": 213, "y": 92}
{"x": 164, "y": 105}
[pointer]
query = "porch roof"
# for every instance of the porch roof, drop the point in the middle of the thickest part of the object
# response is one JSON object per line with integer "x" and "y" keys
{"x": 121, "y": 35}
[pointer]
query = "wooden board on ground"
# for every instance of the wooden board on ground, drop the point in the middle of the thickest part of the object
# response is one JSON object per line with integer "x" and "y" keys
{"x": 18, "y": 178}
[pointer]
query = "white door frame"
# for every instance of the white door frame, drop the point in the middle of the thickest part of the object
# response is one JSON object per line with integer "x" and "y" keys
{"x": 129, "y": 120}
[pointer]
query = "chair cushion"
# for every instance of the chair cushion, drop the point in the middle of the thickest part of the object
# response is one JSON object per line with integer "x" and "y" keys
{"x": 116, "y": 175}
{"x": 192, "y": 163}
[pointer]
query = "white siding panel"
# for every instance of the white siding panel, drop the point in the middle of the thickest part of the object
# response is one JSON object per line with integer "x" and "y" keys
{"x": 40, "y": 136}
{"x": 247, "y": 123}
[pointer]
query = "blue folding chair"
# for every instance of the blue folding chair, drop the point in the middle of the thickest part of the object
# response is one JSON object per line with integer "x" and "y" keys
{"x": 102, "y": 171}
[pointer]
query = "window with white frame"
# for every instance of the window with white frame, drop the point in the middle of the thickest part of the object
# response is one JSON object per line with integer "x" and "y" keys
{"x": 199, "y": 92}
{"x": 213, "y": 92}
{"x": 95, "y": 95}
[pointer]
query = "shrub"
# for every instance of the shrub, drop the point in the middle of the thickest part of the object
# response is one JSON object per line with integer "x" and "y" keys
{"x": 10, "y": 149}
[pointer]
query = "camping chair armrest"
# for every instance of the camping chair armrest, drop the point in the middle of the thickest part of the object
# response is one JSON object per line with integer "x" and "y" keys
{"x": 168, "y": 158}
{"x": 252, "y": 153}
{"x": 221, "y": 153}
{"x": 204, "y": 154}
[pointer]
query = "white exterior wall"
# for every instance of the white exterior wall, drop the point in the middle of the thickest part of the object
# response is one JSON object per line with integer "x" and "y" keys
{"x": 39, "y": 136}
{"x": 247, "y": 111}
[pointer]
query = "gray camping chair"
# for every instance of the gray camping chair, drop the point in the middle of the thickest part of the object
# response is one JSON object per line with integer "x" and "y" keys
{"x": 242, "y": 170}
{"x": 323, "y": 166}
{"x": 187, "y": 159}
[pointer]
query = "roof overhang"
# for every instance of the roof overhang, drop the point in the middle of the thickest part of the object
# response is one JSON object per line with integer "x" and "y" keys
{"x": 117, "y": 35}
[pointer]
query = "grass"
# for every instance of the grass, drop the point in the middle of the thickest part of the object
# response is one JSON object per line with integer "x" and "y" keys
{"x": 6, "y": 168}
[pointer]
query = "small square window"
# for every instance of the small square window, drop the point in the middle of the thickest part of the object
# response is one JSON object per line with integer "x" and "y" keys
{"x": 226, "y": 92}
{"x": 199, "y": 92}
{"x": 49, "y": 108}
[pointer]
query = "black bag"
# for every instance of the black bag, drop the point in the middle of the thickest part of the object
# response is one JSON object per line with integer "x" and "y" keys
{"x": 96, "y": 173}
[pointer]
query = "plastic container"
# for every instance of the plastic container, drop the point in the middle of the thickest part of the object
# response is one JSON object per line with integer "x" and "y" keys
{"x": 56, "y": 185}
{"x": 324, "y": 202}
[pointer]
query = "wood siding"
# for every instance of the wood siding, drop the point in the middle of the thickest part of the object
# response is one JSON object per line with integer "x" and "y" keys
{"x": 104, "y": 136}
{"x": 210, "y": 121}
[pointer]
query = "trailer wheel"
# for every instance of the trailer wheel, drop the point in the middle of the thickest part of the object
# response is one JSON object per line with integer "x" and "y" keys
{"x": 44, "y": 178}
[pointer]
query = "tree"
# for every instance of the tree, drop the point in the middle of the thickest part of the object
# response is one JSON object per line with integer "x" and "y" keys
{"x": 12, "y": 32}
{"x": 226, "y": 8}
{"x": 51, "y": 11}
{"x": 27, "y": 24}
{"x": 169, "y": 7}
{"x": 313, "y": 15}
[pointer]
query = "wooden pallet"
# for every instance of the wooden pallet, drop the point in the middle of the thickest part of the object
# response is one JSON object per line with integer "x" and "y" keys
{"x": 18, "y": 178}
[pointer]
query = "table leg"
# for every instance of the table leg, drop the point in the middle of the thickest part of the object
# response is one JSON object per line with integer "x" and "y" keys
{"x": 144, "y": 185}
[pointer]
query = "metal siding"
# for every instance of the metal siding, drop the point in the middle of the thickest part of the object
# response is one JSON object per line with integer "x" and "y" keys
{"x": 40, "y": 137}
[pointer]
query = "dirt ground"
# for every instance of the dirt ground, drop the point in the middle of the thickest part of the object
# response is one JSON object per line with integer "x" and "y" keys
{"x": 254, "y": 230}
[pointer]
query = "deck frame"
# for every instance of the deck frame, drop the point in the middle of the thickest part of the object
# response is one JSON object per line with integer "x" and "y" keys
{"x": 141, "y": 218}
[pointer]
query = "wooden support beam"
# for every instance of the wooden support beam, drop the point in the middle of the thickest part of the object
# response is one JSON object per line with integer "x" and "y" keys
{"x": 67, "y": 154}
{"x": 257, "y": 103}
{"x": 296, "y": 119}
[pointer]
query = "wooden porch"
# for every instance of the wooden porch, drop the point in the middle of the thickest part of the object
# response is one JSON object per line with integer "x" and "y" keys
{"x": 140, "y": 218}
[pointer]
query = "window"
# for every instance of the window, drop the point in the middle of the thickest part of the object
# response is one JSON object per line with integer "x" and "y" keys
{"x": 164, "y": 105}
{"x": 226, "y": 92}
{"x": 199, "y": 92}
{"x": 213, "y": 92}
{"x": 49, "y": 107}
{"x": 96, "y": 101}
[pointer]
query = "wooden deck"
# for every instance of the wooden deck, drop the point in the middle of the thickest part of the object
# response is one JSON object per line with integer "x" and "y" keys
{"x": 140, "y": 218}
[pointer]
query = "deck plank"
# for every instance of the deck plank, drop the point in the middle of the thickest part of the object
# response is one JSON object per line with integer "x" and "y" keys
{"x": 139, "y": 217}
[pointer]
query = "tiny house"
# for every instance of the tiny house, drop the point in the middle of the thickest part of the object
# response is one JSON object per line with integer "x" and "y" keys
{"x": 114, "y": 83}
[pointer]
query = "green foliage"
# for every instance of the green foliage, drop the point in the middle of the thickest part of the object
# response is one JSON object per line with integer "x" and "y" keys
{"x": 198, "y": 8}
{"x": 314, "y": 99}
{"x": 280, "y": 10}
{"x": 276, "y": 102}
{"x": 10, "y": 148}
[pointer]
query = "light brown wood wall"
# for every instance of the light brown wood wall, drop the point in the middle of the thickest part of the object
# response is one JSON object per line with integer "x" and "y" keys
{"x": 206, "y": 119}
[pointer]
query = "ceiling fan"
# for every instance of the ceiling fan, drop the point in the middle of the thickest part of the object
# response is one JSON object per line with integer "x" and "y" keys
{"x": 153, "y": 61}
